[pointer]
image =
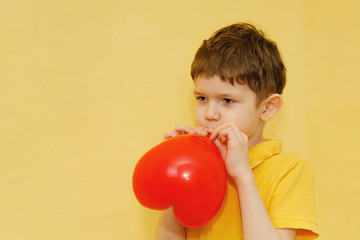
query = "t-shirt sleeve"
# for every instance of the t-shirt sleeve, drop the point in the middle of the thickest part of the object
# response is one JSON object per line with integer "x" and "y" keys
{"x": 293, "y": 203}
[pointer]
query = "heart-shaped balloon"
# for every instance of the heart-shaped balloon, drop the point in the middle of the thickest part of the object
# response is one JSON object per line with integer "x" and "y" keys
{"x": 186, "y": 172}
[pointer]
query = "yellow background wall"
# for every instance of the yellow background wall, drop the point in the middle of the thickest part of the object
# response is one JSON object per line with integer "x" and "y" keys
{"x": 87, "y": 87}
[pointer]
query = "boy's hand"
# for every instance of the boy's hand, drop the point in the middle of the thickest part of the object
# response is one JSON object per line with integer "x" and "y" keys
{"x": 183, "y": 129}
{"x": 233, "y": 145}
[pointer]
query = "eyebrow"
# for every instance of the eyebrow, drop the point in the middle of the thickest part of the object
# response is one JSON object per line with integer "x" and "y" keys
{"x": 197, "y": 93}
{"x": 220, "y": 95}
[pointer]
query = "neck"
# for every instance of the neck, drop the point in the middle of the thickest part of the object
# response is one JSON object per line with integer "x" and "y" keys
{"x": 257, "y": 137}
{"x": 254, "y": 141}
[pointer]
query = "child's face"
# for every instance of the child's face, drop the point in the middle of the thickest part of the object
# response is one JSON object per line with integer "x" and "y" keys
{"x": 219, "y": 102}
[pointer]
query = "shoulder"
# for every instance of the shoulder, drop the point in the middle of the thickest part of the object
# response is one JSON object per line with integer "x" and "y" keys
{"x": 285, "y": 169}
{"x": 292, "y": 200}
{"x": 291, "y": 175}
{"x": 284, "y": 163}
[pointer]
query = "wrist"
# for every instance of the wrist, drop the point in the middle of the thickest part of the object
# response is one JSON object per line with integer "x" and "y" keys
{"x": 244, "y": 178}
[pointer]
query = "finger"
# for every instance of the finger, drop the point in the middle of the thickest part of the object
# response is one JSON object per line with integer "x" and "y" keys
{"x": 183, "y": 129}
{"x": 237, "y": 132}
{"x": 236, "y": 137}
{"x": 233, "y": 137}
{"x": 215, "y": 133}
{"x": 211, "y": 130}
{"x": 202, "y": 131}
{"x": 223, "y": 137}
{"x": 171, "y": 134}
{"x": 224, "y": 134}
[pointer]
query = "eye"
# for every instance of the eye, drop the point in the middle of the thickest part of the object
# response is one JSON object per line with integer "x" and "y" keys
{"x": 227, "y": 100}
{"x": 201, "y": 99}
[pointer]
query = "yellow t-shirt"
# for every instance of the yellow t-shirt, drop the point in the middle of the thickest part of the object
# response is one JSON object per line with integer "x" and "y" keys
{"x": 285, "y": 182}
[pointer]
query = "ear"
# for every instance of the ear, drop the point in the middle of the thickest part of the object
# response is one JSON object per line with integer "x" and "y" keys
{"x": 271, "y": 106}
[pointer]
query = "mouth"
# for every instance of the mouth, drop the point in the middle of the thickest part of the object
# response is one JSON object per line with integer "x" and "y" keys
{"x": 210, "y": 127}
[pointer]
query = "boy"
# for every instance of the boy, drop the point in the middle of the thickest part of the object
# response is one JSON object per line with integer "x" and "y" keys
{"x": 238, "y": 78}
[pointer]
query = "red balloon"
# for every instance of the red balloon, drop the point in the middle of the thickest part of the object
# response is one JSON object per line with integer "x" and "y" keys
{"x": 186, "y": 172}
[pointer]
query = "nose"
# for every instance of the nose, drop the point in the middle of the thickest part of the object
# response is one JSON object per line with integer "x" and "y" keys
{"x": 212, "y": 113}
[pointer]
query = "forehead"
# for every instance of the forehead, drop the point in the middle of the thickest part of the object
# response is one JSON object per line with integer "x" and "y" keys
{"x": 214, "y": 85}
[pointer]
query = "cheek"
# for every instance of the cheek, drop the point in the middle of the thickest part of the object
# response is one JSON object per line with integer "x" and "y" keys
{"x": 247, "y": 124}
{"x": 200, "y": 114}
{"x": 242, "y": 122}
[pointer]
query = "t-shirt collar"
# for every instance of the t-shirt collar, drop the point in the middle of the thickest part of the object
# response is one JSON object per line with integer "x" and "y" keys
{"x": 264, "y": 150}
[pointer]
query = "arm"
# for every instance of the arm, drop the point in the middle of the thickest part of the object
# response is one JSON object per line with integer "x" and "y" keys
{"x": 168, "y": 227}
{"x": 255, "y": 219}
{"x": 233, "y": 145}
